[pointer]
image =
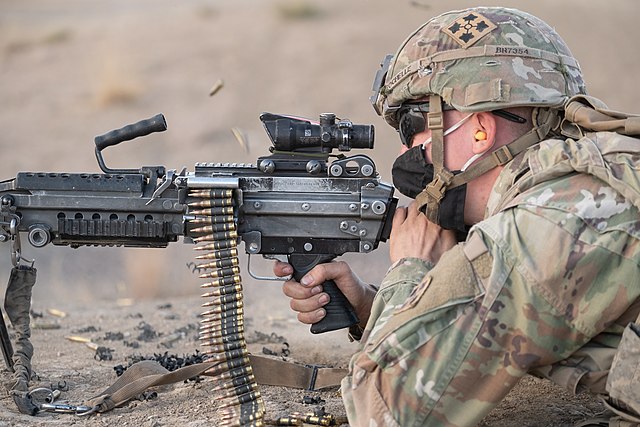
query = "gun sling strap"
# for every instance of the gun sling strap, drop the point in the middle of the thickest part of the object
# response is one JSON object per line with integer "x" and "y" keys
{"x": 267, "y": 371}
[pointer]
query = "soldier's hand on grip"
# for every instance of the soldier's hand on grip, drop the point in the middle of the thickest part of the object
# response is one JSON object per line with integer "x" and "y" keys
{"x": 308, "y": 298}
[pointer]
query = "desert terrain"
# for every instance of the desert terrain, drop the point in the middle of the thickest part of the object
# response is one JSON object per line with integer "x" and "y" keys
{"x": 74, "y": 69}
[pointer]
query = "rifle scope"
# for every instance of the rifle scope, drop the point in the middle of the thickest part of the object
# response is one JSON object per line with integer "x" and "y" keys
{"x": 295, "y": 134}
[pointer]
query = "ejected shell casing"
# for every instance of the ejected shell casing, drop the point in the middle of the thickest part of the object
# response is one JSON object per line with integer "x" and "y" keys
{"x": 219, "y": 338}
{"x": 214, "y": 228}
{"x": 221, "y": 272}
{"x": 211, "y": 203}
{"x": 216, "y": 246}
{"x": 222, "y": 281}
{"x": 219, "y": 219}
{"x": 221, "y": 263}
{"x": 239, "y": 400}
{"x": 235, "y": 382}
{"x": 218, "y": 210}
{"x": 224, "y": 290}
{"x": 319, "y": 419}
{"x": 219, "y": 254}
{"x": 220, "y": 235}
{"x": 315, "y": 420}
{"x": 222, "y": 299}
{"x": 214, "y": 193}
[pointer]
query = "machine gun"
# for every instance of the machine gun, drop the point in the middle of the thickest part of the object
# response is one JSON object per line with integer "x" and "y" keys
{"x": 293, "y": 202}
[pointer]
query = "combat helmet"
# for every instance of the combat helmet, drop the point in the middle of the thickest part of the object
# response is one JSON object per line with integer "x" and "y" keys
{"x": 478, "y": 59}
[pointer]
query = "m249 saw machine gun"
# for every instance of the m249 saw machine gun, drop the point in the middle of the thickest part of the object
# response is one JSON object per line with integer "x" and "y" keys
{"x": 293, "y": 202}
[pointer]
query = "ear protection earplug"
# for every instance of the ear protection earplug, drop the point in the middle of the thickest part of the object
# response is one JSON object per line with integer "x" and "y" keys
{"x": 480, "y": 135}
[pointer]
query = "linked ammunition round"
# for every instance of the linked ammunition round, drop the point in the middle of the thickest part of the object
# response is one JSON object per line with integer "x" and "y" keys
{"x": 222, "y": 263}
{"x": 230, "y": 332}
{"x": 227, "y": 365}
{"x": 239, "y": 400}
{"x": 222, "y": 348}
{"x": 221, "y": 273}
{"x": 223, "y": 281}
{"x": 245, "y": 413}
{"x": 223, "y": 307}
{"x": 221, "y": 235}
{"x": 216, "y": 246}
{"x": 219, "y": 338}
{"x": 235, "y": 382}
{"x": 239, "y": 391}
{"x": 219, "y": 210}
{"x": 222, "y": 300}
{"x": 229, "y": 321}
{"x": 223, "y": 316}
{"x": 239, "y": 372}
{"x": 205, "y": 219}
{"x": 213, "y": 193}
{"x": 225, "y": 321}
{"x": 211, "y": 203}
{"x": 224, "y": 290}
{"x": 219, "y": 254}
{"x": 230, "y": 355}
{"x": 218, "y": 349}
{"x": 225, "y": 226}
{"x": 221, "y": 327}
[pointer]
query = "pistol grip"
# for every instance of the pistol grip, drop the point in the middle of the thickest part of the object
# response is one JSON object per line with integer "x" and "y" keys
{"x": 340, "y": 313}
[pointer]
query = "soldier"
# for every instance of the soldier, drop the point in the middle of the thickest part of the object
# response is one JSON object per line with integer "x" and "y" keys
{"x": 490, "y": 107}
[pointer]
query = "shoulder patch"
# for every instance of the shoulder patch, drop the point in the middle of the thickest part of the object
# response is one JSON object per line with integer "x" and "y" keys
{"x": 469, "y": 28}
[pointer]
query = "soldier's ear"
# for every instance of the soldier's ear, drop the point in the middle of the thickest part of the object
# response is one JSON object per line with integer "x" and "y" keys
{"x": 484, "y": 135}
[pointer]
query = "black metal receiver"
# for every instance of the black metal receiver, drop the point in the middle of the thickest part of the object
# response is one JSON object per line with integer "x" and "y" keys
{"x": 293, "y": 202}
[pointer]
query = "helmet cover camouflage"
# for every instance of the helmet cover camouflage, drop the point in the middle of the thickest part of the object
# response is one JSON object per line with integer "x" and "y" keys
{"x": 481, "y": 59}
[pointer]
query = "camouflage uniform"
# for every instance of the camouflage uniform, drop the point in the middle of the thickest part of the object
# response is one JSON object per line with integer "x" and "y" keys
{"x": 551, "y": 269}
{"x": 550, "y": 273}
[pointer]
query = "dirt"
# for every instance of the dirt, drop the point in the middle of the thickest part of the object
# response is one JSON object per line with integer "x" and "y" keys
{"x": 73, "y": 69}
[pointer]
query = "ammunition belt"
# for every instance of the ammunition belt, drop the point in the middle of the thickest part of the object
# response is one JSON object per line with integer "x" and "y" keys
{"x": 222, "y": 324}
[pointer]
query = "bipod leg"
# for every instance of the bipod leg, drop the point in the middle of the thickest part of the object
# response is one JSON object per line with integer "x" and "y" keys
{"x": 17, "y": 304}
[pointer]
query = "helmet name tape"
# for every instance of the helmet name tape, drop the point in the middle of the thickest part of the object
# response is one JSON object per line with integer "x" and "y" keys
{"x": 469, "y": 28}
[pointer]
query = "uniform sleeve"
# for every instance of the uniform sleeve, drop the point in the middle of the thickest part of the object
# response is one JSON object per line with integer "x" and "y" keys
{"x": 445, "y": 344}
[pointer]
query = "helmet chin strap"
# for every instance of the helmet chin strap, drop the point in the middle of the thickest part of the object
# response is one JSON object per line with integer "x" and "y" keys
{"x": 434, "y": 191}
{"x": 450, "y": 130}
{"x": 544, "y": 120}
{"x": 470, "y": 161}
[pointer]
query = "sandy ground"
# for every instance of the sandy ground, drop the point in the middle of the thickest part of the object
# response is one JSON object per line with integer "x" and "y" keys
{"x": 73, "y": 69}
